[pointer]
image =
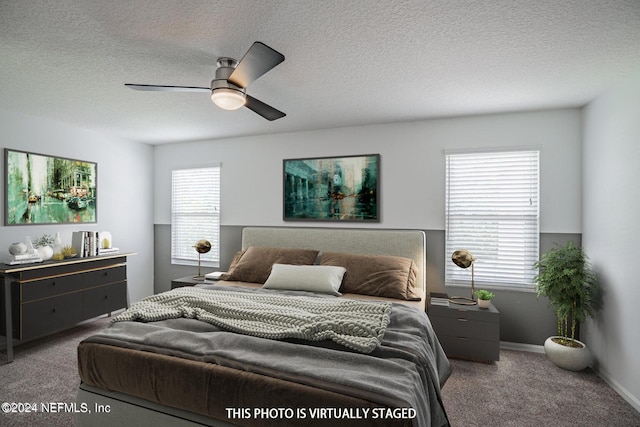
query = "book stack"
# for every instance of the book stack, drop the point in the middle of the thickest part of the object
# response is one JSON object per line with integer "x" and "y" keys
{"x": 108, "y": 251}
{"x": 85, "y": 243}
{"x": 439, "y": 299}
{"x": 27, "y": 258}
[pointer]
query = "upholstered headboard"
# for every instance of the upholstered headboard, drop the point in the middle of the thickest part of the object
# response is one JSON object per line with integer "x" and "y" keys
{"x": 405, "y": 243}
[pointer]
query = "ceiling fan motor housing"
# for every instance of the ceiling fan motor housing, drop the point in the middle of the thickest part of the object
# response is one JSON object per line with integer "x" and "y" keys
{"x": 226, "y": 66}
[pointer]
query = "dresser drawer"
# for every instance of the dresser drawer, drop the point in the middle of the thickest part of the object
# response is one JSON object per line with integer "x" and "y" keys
{"x": 466, "y": 328}
{"x": 104, "y": 276}
{"x": 104, "y": 299}
{"x": 50, "y": 287}
{"x": 49, "y": 315}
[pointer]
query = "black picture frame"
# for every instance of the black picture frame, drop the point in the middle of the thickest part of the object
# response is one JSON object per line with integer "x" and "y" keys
{"x": 332, "y": 189}
{"x": 44, "y": 189}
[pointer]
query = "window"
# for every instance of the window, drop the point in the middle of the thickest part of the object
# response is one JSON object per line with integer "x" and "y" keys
{"x": 195, "y": 215}
{"x": 491, "y": 209}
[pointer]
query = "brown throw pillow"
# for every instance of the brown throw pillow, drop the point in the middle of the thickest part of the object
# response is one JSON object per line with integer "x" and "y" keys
{"x": 255, "y": 262}
{"x": 376, "y": 275}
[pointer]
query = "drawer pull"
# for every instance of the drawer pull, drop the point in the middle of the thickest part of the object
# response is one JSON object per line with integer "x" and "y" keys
{"x": 53, "y": 283}
{"x": 106, "y": 297}
{"x": 53, "y": 311}
{"x": 460, "y": 319}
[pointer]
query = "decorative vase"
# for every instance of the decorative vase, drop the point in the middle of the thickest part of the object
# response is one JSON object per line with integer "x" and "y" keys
{"x": 29, "y": 244}
{"x": 565, "y": 357}
{"x": 57, "y": 244}
{"x": 46, "y": 252}
{"x": 17, "y": 248}
{"x": 484, "y": 303}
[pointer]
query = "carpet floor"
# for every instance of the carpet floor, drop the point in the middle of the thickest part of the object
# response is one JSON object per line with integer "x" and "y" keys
{"x": 522, "y": 389}
{"x": 526, "y": 389}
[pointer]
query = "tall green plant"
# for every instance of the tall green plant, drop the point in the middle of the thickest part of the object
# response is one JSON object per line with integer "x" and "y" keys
{"x": 566, "y": 278}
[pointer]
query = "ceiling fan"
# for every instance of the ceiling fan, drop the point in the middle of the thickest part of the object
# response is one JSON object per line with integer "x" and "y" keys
{"x": 228, "y": 88}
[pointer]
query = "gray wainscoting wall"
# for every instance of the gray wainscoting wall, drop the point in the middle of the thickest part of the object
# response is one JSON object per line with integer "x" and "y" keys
{"x": 524, "y": 318}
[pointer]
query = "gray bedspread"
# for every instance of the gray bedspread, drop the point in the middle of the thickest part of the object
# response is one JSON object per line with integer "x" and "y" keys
{"x": 406, "y": 370}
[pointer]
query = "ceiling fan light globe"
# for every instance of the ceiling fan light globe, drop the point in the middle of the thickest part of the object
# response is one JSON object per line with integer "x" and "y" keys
{"x": 227, "y": 98}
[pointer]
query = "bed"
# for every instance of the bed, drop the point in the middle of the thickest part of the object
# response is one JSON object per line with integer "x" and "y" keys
{"x": 309, "y": 326}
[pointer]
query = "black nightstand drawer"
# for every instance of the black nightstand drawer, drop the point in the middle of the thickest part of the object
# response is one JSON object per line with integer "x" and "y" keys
{"x": 465, "y": 328}
{"x": 465, "y": 312}
{"x": 470, "y": 349}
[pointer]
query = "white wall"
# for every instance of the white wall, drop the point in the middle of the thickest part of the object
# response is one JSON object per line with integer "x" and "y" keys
{"x": 611, "y": 231}
{"x": 412, "y": 166}
{"x": 125, "y": 189}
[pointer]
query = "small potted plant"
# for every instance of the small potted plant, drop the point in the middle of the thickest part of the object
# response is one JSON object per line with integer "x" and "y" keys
{"x": 566, "y": 278}
{"x": 44, "y": 246}
{"x": 484, "y": 298}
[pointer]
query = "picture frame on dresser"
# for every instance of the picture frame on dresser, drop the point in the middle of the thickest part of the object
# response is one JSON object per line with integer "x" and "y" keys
{"x": 332, "y": 189}
{"x": 45, "y": 189}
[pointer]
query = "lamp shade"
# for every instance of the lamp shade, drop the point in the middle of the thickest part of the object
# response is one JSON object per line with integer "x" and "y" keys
{"x": 462, "y": 258}
{"x": 228, "y": 98}
{"x": 202, "y": 246}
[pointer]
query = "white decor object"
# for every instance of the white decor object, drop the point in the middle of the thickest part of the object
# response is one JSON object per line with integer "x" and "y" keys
{"x": 46, "y": 252}
{"x": 30, "y": 248}
{"x": 17, "y": 248}
{"x": 57, "y": 244}
{"x": 570, "y": 358}
{"x": 105, "y": 240}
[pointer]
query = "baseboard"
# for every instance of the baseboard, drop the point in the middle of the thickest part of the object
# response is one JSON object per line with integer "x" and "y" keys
{"x": 623, "y": 392}
{"x": 517, "y": 346}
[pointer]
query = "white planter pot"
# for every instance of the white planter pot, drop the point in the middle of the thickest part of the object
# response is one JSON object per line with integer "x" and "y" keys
{"x": 484, "y": 303}
{"x": 570, "y": 358}
{"x": 46, "y": 252}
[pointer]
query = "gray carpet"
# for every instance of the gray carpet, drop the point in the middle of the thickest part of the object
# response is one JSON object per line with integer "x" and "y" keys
{"x": 522, "y": 389}
{"x": 526, "y": 389}
{"x": 44, "y": 370}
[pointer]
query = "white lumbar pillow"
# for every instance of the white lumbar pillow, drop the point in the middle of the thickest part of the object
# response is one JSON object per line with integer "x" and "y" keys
{"x": 312, "y": 278}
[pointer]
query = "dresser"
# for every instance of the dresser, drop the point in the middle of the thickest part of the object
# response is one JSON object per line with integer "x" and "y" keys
{"x": 40, "y": 299}
{"x": 467, "y": 331}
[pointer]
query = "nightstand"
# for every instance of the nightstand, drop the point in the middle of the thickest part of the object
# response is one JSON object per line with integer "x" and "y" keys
{"x": 467, "y": 331}
{"x": 186, "y": 281}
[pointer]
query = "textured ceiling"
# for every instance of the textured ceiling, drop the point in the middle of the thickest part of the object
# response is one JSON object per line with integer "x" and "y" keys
{"x": 347, "y": 62}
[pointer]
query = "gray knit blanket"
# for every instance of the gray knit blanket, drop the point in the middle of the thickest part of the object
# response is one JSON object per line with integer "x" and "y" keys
{"x": 357, "y": 325}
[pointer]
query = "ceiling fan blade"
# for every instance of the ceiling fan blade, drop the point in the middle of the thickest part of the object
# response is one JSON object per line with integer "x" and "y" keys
{"x": 259, "y": 59}
{"x": 156, "y": 88}
{"x": 266, "y": 111}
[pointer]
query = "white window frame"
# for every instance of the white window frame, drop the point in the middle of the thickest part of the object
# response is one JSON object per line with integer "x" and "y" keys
{"x": 492, "y": 209}
{"x": 195, "y": 214}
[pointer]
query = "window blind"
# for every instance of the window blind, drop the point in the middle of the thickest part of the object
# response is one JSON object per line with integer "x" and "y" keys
{"x": 492, "y": 210}
{"x": 195, "y": 215}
